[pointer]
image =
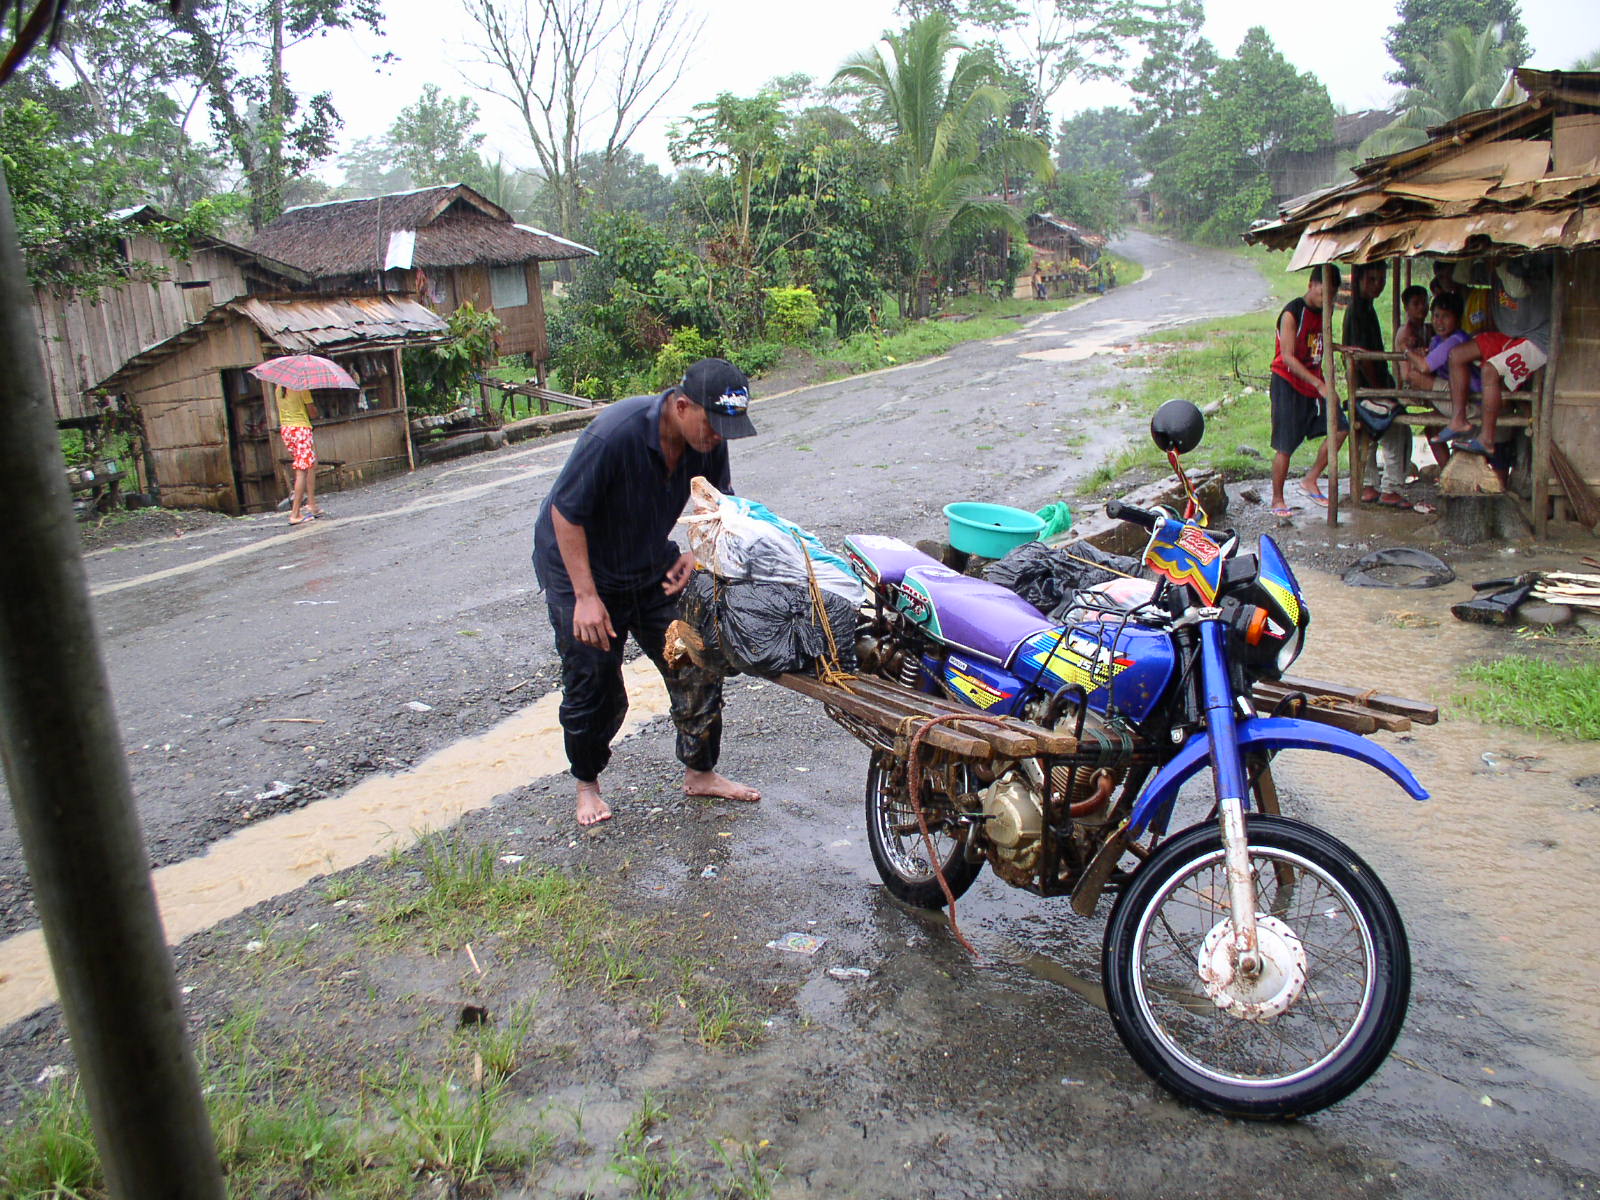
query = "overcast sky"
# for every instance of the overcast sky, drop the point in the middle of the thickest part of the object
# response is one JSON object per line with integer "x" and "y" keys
{"x": 742, "y": 47}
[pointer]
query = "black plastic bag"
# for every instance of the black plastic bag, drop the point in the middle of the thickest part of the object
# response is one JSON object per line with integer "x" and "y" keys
{"x": 766, "y": 629}
{"x": 1048, "y": 578}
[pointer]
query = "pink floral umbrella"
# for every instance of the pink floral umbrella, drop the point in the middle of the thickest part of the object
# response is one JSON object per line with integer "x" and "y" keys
{"x": 304, "y": 373}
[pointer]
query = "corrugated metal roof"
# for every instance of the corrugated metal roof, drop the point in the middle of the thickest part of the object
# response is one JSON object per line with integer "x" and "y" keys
{"x": 1490, "y": 178}
{"x": 319, "y": 324}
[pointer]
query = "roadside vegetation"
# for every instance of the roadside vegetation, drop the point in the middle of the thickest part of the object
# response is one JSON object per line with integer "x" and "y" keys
{"x": 1222, "y": 362}
{"x": 1537, "y": 693}
{"x": 370, "y": 1089}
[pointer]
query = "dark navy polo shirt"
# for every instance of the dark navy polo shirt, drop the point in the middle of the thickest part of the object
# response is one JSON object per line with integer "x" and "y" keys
{"x": 616, "y": 487}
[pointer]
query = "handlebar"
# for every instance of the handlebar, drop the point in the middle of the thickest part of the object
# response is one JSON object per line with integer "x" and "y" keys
{"x": 1119, "y": 511}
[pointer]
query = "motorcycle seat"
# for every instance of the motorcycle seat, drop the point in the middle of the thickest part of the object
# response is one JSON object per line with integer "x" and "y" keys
{"x": 882, "y": 561}
{"x": 974, "y": 615}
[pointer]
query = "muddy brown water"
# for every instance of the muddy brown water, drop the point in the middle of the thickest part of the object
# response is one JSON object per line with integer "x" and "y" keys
{"x": 385, "y": 813}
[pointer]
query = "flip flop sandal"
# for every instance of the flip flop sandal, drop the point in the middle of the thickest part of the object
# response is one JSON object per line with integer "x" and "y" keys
{"x": 1371, "y": 496}
{"x": 1315, "y": 496}
{"x": 1447, "y": 435}
{"x": 301, "y": 520}
{"x": 1285, "y": 511}
{"x": 1397, "y": 502}
{"x": 1472, "y": 446}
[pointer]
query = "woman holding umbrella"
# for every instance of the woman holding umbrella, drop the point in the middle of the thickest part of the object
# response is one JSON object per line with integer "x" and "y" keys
{"x": 296, "y": 409}
{"x": 296, "y": 375}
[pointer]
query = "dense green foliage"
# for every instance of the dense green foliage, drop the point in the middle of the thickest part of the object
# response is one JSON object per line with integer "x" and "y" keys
{"x": 440, "y": 377}
{"x": 805, "y": 213}
{"x": 1420, "y": 26}
{"x": 1464, "y": 74}
{"x": 1256, "y": 108}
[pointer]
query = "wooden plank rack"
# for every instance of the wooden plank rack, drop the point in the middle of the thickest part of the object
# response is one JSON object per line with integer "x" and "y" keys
{"x": 890, "y": 711}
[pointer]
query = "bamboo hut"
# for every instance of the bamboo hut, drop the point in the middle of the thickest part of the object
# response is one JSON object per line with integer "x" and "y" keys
{"x": 83, "y": 340}
{"x": 211, "y": 427}
{"x": 1491, "y": 184}
{"x": 445, "y": 245}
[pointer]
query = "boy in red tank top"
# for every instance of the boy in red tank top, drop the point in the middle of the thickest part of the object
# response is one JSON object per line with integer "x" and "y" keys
{"x": 1300, "y": 394}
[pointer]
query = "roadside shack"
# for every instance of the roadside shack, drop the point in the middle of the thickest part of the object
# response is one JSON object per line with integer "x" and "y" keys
{"x": 1488, "y": 186}
{"x": 211, "y": 428}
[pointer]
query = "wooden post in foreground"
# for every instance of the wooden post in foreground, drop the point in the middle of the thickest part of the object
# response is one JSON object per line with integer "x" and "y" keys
{"x": 1544, "y": 405}
{"x": 1329, "y": 294}
{"x": 69, "y": 786}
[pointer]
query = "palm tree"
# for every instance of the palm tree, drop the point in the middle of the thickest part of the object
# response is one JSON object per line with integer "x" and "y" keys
{"x": 945, "y": 110}
{"x": 1465, "y": 74}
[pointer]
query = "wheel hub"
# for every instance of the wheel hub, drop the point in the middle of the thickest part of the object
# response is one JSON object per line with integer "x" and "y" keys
{"x": 1266, "y": 993}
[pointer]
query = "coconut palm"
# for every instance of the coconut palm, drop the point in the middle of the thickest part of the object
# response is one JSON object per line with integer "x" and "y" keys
{"x": 1466, "y": 73}
{"x": 944, "y": 109}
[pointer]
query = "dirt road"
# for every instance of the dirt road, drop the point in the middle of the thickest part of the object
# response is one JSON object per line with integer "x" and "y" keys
{"x": 263, "y": 673}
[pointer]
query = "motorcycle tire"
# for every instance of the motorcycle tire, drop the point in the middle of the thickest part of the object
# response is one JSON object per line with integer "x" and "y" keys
{"x": 1333, "y": 1031}
{"x": 896, "y": 841}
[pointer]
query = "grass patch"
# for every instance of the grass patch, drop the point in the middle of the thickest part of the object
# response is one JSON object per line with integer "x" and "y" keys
{"x": 467, "y": 894}
{"x": 278, "y": 1133}
{"x": 1537, "y": 693}
{"x": 873, "y": 350}
{"x": 1224, "y": 361}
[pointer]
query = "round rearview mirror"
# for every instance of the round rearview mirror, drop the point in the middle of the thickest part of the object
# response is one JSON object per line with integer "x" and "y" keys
{"x": 1178, "y": 425}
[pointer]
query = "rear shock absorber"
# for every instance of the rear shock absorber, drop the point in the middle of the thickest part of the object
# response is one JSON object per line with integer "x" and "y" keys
{"x": 910, "y": 669}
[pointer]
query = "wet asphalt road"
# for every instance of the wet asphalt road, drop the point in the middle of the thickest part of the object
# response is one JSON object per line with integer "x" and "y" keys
{"x": 420, "y": 591}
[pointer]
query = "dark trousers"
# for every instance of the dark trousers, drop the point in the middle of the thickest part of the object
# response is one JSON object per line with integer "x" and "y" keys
{"x": 594, "y": 701}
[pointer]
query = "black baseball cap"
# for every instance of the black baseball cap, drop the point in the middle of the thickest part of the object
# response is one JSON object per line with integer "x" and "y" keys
{"x": 723, "y": 390}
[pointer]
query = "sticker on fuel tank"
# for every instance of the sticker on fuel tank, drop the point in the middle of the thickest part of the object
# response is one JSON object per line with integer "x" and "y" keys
{"x": 1078, "y": 659}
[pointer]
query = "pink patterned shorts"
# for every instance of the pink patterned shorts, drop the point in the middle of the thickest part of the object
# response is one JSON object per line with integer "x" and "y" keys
{"x": 302, "y": 454}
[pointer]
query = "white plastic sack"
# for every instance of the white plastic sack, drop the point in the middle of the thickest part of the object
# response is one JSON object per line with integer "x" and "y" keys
{"x": 739, "y": 539}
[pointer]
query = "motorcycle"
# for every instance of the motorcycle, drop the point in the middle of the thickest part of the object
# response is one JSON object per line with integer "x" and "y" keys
{"x": 1253, "y": 964}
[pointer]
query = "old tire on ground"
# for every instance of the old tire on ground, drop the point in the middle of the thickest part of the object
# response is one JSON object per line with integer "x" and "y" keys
{"x": 1338, "y": 1025}
{"x": 896, "y": 842}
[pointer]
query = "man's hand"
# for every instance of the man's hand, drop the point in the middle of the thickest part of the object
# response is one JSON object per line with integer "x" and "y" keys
{"x": 591, "y": 623}
{"x": 678, "y": 575}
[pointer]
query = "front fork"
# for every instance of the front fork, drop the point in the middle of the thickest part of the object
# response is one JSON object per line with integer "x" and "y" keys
{"x": 1228, "y": 775}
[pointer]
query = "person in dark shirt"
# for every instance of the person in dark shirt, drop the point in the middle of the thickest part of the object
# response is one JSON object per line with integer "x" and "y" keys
{"x": 1364, "y": 331}
{"x": 603, "y": 554}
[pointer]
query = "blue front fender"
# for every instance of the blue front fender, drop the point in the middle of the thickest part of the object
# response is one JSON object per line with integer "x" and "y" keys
{"x": 1269, "y": 734}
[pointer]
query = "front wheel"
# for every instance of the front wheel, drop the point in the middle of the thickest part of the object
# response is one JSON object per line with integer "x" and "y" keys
{"x": 895, "y": 838}
{"x": 1312, "y": 1025}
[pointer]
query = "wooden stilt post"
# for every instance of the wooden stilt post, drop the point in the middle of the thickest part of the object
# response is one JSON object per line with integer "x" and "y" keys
{"x": 1544, "y": 408}
{"x": 1329, "y": 292}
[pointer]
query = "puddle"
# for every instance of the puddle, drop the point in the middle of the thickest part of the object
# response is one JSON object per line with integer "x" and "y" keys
{"x": 384, "y": 813}
{"x": 1103, "y": 337}
{"x": 1505, "y": 848}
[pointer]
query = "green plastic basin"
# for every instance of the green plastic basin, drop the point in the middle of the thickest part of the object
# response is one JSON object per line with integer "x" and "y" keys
{"x": 990, "y": 530}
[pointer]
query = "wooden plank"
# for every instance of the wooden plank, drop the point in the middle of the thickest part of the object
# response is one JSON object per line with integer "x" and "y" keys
{"x": 1419, "y": 711}
{"x": 1336, "y": 714}
{"x": 1019, "y": 740}
{"x": 940, "y": 736}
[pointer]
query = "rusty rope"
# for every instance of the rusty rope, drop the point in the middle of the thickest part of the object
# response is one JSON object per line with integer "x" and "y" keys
{"x": 914, "y": 783}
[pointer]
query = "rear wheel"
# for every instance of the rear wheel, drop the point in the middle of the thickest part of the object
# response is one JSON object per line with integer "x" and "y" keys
{"x": 898, "y": 848}
{"x": 1304, "y": 1032}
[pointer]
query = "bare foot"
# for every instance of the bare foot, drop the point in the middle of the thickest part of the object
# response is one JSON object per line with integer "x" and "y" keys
{"x": 591, "y": 808}
{"x": 709, "y": 783}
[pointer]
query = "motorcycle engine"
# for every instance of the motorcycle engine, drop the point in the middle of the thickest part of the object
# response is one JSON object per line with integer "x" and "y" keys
{"x": 1015, "y": 819}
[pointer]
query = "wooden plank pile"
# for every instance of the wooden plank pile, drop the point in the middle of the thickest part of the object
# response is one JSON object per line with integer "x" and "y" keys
{"x": 1571, "y": 588}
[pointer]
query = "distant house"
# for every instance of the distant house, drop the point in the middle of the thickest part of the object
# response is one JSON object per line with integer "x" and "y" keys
{"x": 445, "y": 245}
{"x": 1295, "y": 174}
{"x": 210, "y": 427}
{"x": 83, "y": 341}
{"x": 1064, "y": 241}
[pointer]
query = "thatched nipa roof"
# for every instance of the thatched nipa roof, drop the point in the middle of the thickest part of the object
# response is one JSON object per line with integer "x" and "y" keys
{"x": 436, "y": 227}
